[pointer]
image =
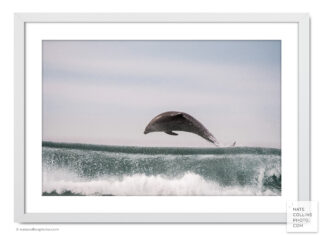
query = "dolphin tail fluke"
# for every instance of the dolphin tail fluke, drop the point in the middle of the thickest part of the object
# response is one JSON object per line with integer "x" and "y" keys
{"x": 217, "y": 144}
{"x": 213, "y": 140}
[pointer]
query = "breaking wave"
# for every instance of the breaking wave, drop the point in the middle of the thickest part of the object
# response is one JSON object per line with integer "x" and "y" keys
{"x": 84, "y": 171}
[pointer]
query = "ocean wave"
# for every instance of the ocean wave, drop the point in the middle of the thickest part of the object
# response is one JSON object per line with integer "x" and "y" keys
{"x": 165, "y": 150}
{"x": 190, "y": 184}
{"x": 225, "y": 169}
{"x": 70, "y": 171}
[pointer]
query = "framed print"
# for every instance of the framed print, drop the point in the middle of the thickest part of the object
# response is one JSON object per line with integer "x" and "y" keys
{"x": 160, "y": 118}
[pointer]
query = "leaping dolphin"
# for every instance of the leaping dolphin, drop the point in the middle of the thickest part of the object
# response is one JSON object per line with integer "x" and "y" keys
{"x": 179, "y": 121}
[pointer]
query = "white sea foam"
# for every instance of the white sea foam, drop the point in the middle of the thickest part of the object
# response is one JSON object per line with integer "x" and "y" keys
{"x": 140, "y": 184}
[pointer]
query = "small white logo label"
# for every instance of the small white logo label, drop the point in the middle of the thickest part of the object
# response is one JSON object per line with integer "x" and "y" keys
{"x": 302, "y": 216}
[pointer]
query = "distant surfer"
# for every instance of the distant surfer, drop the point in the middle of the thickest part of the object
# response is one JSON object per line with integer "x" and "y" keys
{"x": 179, "y": 121}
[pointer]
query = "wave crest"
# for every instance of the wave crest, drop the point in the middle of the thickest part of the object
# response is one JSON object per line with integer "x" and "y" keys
{"x": 189, "y": 184}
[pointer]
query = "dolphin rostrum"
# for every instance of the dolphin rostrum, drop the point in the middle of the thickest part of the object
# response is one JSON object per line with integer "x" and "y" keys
{"x": 179, "y": 121}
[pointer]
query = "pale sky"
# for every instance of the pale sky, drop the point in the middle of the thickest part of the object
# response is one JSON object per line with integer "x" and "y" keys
{"x": 106, "y": 92}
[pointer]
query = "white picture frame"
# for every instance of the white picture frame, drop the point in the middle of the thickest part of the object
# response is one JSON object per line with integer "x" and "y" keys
{"x": 22, "y": 19}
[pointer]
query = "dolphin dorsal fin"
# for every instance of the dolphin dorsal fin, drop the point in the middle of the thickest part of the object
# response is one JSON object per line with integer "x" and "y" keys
{"x": 179, "y": 114}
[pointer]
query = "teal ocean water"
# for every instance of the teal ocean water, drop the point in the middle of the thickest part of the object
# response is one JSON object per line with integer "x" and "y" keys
{"x": 88, "y": 170}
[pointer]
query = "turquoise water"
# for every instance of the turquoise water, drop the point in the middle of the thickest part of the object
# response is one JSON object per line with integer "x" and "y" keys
{"x": 81, "y": 170}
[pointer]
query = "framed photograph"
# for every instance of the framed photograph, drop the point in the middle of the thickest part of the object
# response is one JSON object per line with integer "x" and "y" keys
{"x": 160, "y": 118}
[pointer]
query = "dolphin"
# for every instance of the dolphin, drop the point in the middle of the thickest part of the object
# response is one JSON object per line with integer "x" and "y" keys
{"x": 179, "y": 121}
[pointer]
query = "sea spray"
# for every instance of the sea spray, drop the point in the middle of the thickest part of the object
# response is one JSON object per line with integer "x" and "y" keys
{"x": 70, "y": 169}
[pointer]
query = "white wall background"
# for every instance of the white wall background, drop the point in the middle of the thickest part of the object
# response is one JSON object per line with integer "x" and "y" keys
{"x": 7, "y": 8}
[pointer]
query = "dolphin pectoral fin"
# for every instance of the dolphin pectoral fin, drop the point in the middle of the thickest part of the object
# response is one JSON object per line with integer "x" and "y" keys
{"x": 170, "y": 133}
